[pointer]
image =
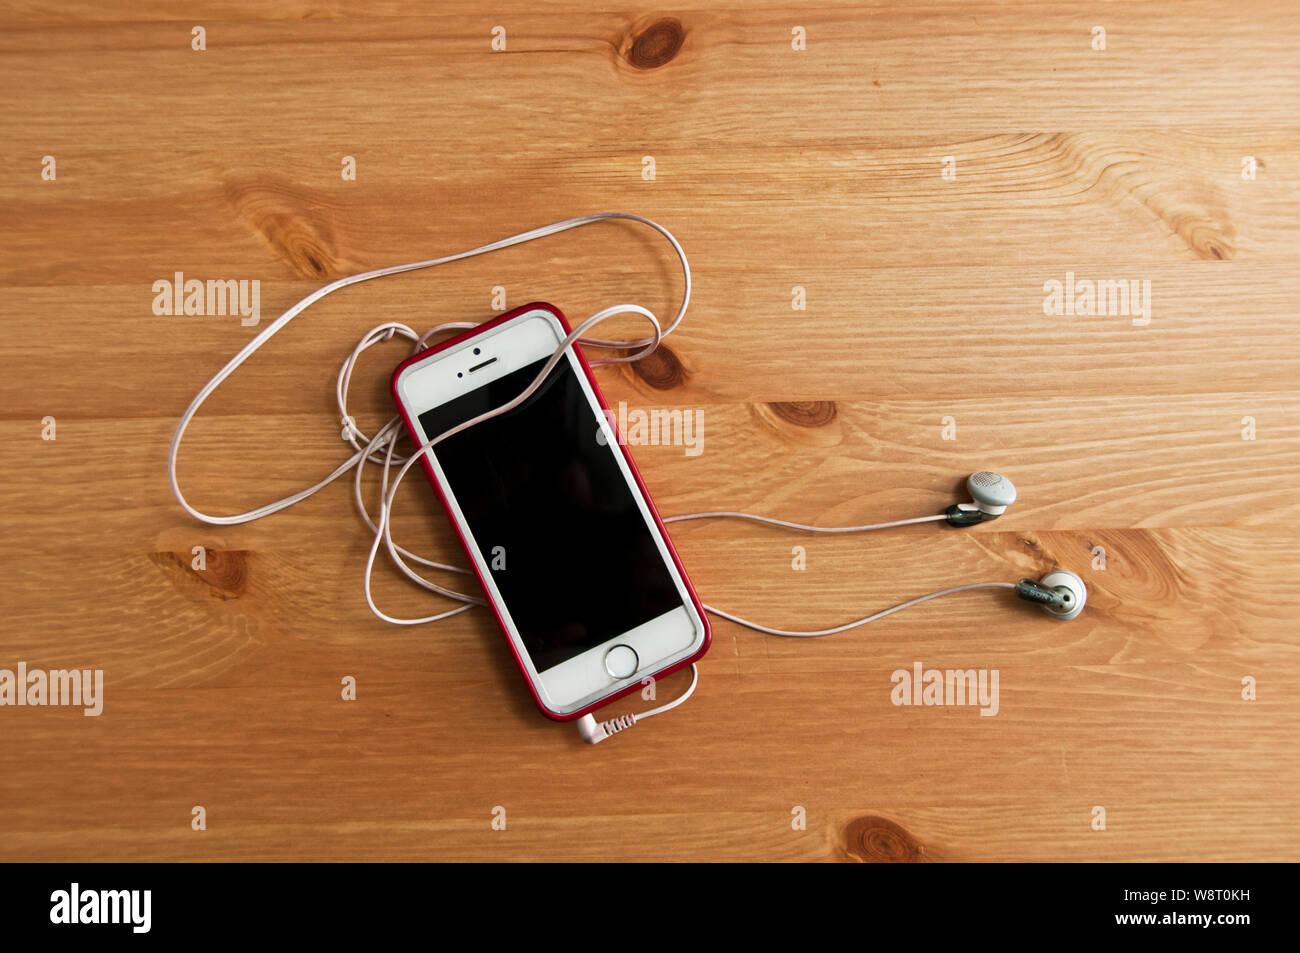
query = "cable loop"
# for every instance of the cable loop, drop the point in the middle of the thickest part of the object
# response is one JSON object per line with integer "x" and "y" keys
{"x": 380, "y": 449}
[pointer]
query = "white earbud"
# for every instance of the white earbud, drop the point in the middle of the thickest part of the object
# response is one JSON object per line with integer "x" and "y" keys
{"x": 1061, "y": 593}
{"x": 991, "y": 494}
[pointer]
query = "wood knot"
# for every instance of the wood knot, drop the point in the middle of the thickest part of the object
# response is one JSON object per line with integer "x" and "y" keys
{"x": 286, "y": 221}
{"x": 656, "y": 44}
{"x": 662, "y": 369}
{"x": 224, "y": 574}
{"x": 878, "y": 840}
{"x": 805, "y": 413}
{"x": 1211, "y": 244}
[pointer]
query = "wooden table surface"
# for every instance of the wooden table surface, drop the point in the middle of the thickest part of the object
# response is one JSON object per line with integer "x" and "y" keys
{"x": 922, "y": 353}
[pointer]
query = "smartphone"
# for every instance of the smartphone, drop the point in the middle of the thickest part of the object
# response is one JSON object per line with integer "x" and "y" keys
{"x": 552, "y": 513}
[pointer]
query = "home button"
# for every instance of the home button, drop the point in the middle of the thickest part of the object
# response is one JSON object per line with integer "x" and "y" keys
{"x": 621, "y": 661}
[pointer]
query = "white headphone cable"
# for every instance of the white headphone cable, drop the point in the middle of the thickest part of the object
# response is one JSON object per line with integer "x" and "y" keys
{"x": 350, "y": 433}
{"x": 863, "y": 621}
{"x": 380, "y": 449}
{"x": 594, "y": 732}
{"x": 383, "y": 532}
{"x": 729, "y": 514}
{"x": 370, "y": 449}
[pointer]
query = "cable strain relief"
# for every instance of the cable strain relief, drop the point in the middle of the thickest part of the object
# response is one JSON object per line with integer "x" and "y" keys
{"x": 956, "y": 516}
{"x": 594, "y": 732}
{"x": 620, "y": 723}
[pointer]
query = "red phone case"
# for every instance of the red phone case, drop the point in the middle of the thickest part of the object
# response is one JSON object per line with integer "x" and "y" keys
{"x": 442, "y": 497}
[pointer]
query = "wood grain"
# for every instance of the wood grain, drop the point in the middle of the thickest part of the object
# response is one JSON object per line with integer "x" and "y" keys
{"x": 818, "y": 169}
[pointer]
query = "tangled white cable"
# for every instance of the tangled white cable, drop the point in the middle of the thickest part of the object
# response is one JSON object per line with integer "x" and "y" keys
{"x": 380, "y": 449}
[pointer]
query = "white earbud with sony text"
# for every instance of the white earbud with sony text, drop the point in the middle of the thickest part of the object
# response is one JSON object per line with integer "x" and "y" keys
{"x": 991, "y": 494}
{"x": 1061, "y": 593}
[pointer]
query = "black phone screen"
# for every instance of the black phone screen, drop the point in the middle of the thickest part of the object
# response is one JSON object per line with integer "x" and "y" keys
{"x": 551, "y": 514}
